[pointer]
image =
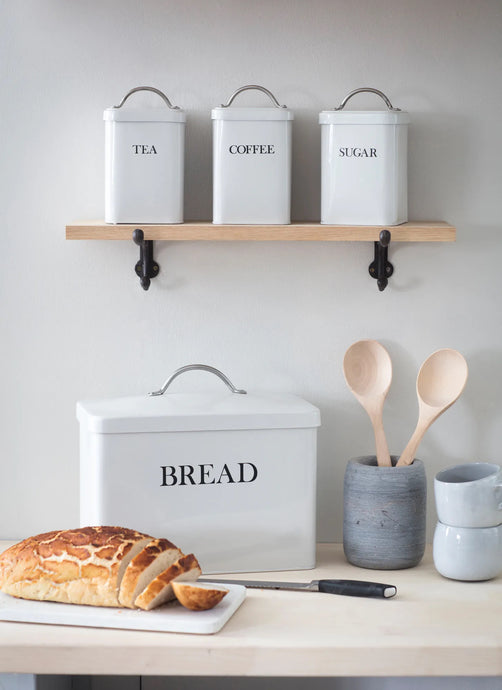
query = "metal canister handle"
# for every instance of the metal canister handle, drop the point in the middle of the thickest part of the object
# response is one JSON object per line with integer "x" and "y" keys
{"x": 198, "y": 367}
{"x": 257, "y": 88}
{"x": 368, "y": 89}
{"x": 147, "y": 88}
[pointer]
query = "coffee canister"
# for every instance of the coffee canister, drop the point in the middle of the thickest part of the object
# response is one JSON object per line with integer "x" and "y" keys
{"x": 252, "y": 162}
{"x": 144, "y": 162}
{"x": 364, "y": 164}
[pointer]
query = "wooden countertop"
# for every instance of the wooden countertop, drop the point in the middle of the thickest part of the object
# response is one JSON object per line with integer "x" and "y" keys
{"x": 432, "y": 627}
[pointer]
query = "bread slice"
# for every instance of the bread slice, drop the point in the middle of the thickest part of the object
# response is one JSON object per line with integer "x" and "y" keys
{"x": 198, "y": 596}
{"x": 152, "y": 560}
{"x": 160, "y": 590}
{"x": 136, "y": 548}
{"x": 77, "y": 566}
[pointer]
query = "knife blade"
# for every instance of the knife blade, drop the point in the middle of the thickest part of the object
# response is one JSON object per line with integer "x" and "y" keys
{"x": 352, "y": 588}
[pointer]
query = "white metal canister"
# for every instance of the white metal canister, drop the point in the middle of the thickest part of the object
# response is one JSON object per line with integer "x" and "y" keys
{"x": 252, "y": 163}
{"x": 225, "y": 474}
{"x": 144, "y": 162}
{"x": 364, "y": 165}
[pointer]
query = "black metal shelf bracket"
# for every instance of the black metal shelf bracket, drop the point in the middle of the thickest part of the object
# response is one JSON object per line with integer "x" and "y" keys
{"x": 146, "y": 268}
{"x": 380, "y": 268}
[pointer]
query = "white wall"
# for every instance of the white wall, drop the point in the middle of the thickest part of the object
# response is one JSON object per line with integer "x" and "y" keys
{"x": 277, "y": 316}
{"x": 74, "y": 321}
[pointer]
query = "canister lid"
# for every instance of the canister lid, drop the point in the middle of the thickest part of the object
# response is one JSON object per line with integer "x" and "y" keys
{"x": 339, "y": 116}
{"x": 363, "y": 117}
{"x": 144, "y": 115}
{"x": 171, "y": 113}
{"x": 275, "y": 112}
{"x": 223, "y": 113}
{"x": 196, "y": 412}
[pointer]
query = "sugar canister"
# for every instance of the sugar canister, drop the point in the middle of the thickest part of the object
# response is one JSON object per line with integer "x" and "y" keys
{"x": 364, "y": 164}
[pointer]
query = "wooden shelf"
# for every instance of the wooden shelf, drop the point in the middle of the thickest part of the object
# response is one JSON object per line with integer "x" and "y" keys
{"x": 433, "y": 627}
{"x": 195, "y": 231}
{"x": 421, "y": 231}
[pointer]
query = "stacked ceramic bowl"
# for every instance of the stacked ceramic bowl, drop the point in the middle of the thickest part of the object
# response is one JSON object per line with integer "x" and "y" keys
{"x": 468, "y": 537}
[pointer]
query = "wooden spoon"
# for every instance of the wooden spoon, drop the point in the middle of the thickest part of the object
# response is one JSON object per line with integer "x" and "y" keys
{"x": 440, "y": 381}
{"x": 368, "y": 372}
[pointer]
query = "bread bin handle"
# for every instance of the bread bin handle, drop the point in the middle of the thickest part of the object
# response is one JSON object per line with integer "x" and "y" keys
{"x": 199, "y": 367}
{"x": 367, "y": 89}
{"x": 147, "y": 88}
{"x": 257, "y": 88}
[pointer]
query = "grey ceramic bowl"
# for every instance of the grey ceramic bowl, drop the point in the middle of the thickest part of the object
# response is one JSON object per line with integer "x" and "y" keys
{"x": 384, "y": 511}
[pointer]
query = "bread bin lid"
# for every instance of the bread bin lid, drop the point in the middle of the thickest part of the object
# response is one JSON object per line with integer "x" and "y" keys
{"x": 217, "y": 410}
{"x": 339, "y": 116}
{"x": 170, "y": 114}
{"x": 274, "y": 112}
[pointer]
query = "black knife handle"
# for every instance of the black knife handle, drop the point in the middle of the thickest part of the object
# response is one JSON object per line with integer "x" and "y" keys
{"x": 357, "y": 588}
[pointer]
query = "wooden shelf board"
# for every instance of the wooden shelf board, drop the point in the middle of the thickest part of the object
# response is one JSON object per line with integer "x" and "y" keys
{"x": 420, "y": 231}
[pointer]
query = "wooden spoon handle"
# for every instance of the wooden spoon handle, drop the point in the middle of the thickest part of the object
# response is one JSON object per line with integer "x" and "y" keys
{"x": 382, "y": 450}
{"x": 408, "y": 454}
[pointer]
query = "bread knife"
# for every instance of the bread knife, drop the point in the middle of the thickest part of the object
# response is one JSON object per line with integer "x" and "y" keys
{"x": 352, "y": 588}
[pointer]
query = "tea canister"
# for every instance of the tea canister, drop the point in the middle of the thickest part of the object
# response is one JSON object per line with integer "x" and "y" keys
{"x": 144, "y": 162}
{"x": 364, "y": 164}
{"x": 225, "y": 474}
{"x": 252, "y": 162}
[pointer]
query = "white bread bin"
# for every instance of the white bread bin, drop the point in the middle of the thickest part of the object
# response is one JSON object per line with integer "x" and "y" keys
{"x": 364, "y": 158}
{"x": 144, "y": 162}
{"x": 252, "y": 163}
{"x": 225, "y": 474}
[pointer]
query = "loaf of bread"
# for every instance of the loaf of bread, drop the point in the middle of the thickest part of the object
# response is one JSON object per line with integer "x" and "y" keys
{"x": 96, "y": 566}
{"x": 78, "y": 566}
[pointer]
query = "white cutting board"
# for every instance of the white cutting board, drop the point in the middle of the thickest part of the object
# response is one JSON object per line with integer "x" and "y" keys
{"x": 171, "y": 617}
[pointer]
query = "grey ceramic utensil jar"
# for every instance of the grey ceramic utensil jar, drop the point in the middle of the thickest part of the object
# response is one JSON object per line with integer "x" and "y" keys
{"x": 384, "y": 511}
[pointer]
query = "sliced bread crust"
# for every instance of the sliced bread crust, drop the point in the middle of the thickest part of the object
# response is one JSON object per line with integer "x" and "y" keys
{"x": 198, "y": 596}
{"x": 153, "y": 559}
{"x": 159, "y": 591}
{"x": 133, "y": 551}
